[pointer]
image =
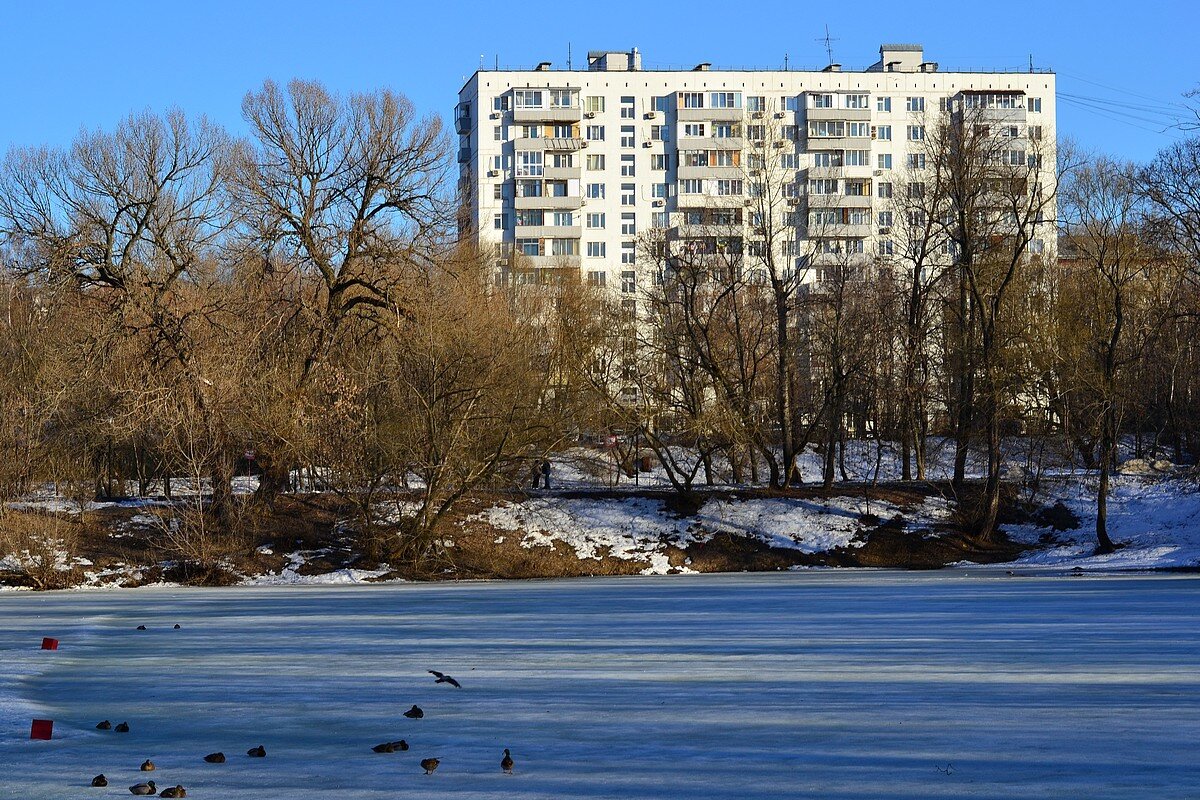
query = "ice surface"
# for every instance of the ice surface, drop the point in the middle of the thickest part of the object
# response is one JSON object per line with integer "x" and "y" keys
{"x": 821, "y": 684}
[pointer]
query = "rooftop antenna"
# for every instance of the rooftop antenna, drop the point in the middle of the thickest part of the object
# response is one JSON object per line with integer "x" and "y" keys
{"x": 828, "y": 41}
{"x": 785, "y": 62}
{"x": 1031, "y": 62}
{"x": 481, "y": 62}
{"x": 497, "y": 62}
{"x": 568, "y": 56}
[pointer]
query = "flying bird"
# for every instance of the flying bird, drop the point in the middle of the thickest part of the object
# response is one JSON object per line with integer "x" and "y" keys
{"x": 444, "y": 678}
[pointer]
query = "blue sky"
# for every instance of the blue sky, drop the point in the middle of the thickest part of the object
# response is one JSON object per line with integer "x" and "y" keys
{"x": 66, "y": 66}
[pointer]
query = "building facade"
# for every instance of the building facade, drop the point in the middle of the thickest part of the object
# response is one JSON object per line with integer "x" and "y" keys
{"x": 569, "y": 169}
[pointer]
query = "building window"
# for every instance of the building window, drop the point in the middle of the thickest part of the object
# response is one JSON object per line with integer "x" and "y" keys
{"x": 628, "y": 281}
{"x": 595, "y": 191}
{"x": 729, "y": 187}
{"x": 884, "y": 161}
{"x": 527, "y": 98}
{"x": 725, "y": 99}
{"x": 915, "y": 104}
{"x": 595, "y": 133}
{"x": 791, "y": 103}
{"x": 916, "y": 190}
{"x": 500, "y": 103}
{"x": 916, "y": 161}
{"x": 595, "y": 278}
{"x": 660, "y": 161}
{"x": 628, "y": 194}
{"x": 662, "y": 104}
{"x": 659, "y": 133}
{"x": 884, "y": 133}
{"x": 594, "y": 104}
{"x": 827, "y": 129}
{"x": 856, "y": 101}
{"x": 756, "y": 103}
{"x": 660, "y": 190}
{"x": 884, "y": 190}
{"x": 692, "y": 99}
{"x": 564, "y": 219}
{"x": 498, "y": 222}
{"x": 497, "y": 134}
{"x": 595, "y": 221}
{"x": 562, "y": 98}
{"x": 628, "y": 252}
{"x": 756, "y": 132}
{"x": 788, "y": 161}
{"x": 691, "y": 186}
{"x": 529, "y": 163}
{"x": 883, "y": 104}
{"x": 529, "y": 247}
{"x": 660, "y": 219}
{"x": 530, "y": 216}
{"x": 627, "y": 166}
{"x": 1034, "y": 104}
{"x": 858, "y": 158}
{"x": 497, "y": 191}
{"x": 627, "y": 136}
{"x": 693, "y": 129}
{"x": 595, "y": 249}
{"x": 916, "y": 133}
{"x": 627, "y": 109}
{"x": 564, "y": 131}
{"x": 595, "y": 161}
{"x": 858, "y": 129}
{"x": 823, "y": 186}
{"x": 858, "y": 188}
{"x": 628, "y": 224}
{"x": 562, "y": 160}
{"x": 693, "y": 158}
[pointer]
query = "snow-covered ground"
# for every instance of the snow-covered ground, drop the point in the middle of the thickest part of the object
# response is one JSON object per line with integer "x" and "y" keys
{"x": 817, "y": 684}
{"x": 1156, "y": 521}
{"x": 641, "y": 528}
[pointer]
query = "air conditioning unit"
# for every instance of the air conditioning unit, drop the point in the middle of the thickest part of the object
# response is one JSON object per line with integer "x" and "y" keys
{"x": 878, "y": 172}
{"x": 658, "y": 204}
{"x": 756, "y": 115}
{"x": 647, "y": 144}
{"x": 583, "y": 143}
{"x": 885, "y": 230}
{"x": 650, "y": 114}
{"x": 780, "y": 143}
{"x": 793, "y": 201}
{"x": 583, "y": 202}
{"x": 780, "y": 114}
{"x": 493, "y": 173}
{"x": 494, "y": 115}
{"x": 590, "y": 115}
{"x": 754, "y": 173}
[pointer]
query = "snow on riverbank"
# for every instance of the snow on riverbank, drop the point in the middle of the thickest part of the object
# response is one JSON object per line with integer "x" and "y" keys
{"x": 1155, "y": 520}
{"x": 641, "y": 529}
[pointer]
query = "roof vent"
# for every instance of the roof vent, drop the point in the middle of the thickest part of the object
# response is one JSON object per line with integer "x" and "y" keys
{"x": 832, "y": 68}
{"x": 543, "y": 66}
{"x": 929, "y": 66}
{"x": 701, "y": 67}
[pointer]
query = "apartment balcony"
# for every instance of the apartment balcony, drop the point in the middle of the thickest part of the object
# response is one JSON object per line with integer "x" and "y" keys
{"x": 836, "y": 230}
{"x": 684, "y": 173}
{"x": 548, "y": 231}
{"x": 559, "y": 173}
{"x": 547, "y": 114}
{"x": 709, "y": 201}
{"x": 708, "y": 231}
{"x": 841, "y": 171}
{"x": 549, "y": 262}
{"x": 838, "y": 201}
{"x": 838, "y": 114}
{"x": 837, "y": 142}
{"x": 709, "y": 143}
{"x": 706, "y": 114}
{"x": 548, "y": 203}
{"x": 534, "y": 144}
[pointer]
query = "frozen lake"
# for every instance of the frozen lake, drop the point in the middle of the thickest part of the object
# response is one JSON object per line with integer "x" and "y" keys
{"x": 828, "y": 685}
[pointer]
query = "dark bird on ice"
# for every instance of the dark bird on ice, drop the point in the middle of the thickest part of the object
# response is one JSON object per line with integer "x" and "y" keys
{"x": 215, "y": 758}
{"x": 177, "y": 787}
{"x": 429, "y": 765}
{"x": 444, "y": 678}
{"x": 390, "y": 747}
{"x": 122, "y": 727}
{"x": 146, "y": 788}
{"x": 100, "y": 780}
{"x": 173, "y": 791}
{"x": 147, "y": 766}
{"x": 104, "y": 726}
{"x": 141, "y": 627}
{"x": 414, "y": 713}
{"x": 506, "y": 763}
{"x": 257, "y": 752}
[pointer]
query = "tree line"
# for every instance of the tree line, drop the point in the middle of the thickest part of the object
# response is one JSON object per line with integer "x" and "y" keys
{"x": 182, "y": 304}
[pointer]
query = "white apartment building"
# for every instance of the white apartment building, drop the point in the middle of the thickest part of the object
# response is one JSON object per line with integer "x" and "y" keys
{"x": 568, "y": 167}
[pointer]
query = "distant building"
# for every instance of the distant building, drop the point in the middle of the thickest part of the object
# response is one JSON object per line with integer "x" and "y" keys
{"x": 568, "y": 167}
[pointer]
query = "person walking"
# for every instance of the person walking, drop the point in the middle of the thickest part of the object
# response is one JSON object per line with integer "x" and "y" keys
{"x": 546, "y": 473}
